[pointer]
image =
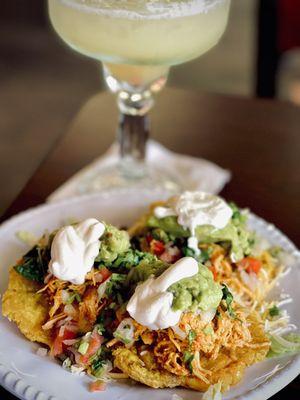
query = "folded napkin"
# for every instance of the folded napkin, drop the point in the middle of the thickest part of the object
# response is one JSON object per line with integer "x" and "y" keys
{"x": 192, "y": 173}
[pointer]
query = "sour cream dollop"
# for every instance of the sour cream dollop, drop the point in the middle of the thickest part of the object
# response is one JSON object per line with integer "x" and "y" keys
{"x": 194, "y": 209}
{"x": 74, "y": 249}
{"x": 151, "y": 303}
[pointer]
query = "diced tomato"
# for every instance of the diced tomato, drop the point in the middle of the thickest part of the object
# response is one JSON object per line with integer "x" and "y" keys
{"x": 94, "y": 344}
{"x": 97, "y": 386}
{"x": 170, "y": 255}
{"x": 104, "y": 273}
{"x": 58, "y": 345}
{"x": 157, "y": 247}
{"x": 149, "y": 238}
{"x": 250, "y": 264}
{"x": 214, "y": 272}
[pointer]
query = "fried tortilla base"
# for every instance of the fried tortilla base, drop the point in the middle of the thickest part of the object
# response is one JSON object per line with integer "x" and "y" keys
{"x": 129, "y": 362}
{"x": 28, "y": 309}
{"x": 228, "y": 369}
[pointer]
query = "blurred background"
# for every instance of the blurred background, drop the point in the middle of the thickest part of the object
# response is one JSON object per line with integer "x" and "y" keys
{"x": 40, "y": 77}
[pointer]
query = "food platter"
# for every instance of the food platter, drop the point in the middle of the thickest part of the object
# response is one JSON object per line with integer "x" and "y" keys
{"x": 30, "y": 376}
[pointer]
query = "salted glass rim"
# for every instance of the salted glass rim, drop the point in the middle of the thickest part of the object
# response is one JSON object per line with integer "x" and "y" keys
{"x": 144, "y": 8}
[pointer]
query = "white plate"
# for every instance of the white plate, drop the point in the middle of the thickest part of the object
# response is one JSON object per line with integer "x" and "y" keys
{"x": 31, "y": 377}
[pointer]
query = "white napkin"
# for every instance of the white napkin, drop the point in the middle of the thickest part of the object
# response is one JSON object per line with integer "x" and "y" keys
{"x": 193, "y": 173}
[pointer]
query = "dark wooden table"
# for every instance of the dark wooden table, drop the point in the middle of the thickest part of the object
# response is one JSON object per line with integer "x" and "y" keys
{"x": 259, "y": 141}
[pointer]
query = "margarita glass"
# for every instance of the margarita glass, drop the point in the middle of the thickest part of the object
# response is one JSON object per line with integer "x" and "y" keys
{"x": 137, "y": 41}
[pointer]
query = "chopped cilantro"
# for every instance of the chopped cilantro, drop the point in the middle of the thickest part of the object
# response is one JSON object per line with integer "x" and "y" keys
{"x": 34, "y": 264}
{"x": 131, "y": 259}
{"x": 227, "y": 296}
{"x": 119, "y": 298}
{"x": 104, "y": 320}
{"x": 100, "y": 326}
{"x": 100, "y": 320}
{"x": 99, "y": 361}
{"x": 114, "y": 283}
{"x": 98, "y": 367}
{"x": 112, "y": 306}
{"x": 187, "y": 252}
{"x": 205, "y": 255}
{"x": 251, "y": 241}
{"x": 274, "y": 311}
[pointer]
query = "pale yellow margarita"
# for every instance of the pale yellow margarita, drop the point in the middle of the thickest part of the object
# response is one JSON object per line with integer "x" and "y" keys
{"x": 138, "y": 39}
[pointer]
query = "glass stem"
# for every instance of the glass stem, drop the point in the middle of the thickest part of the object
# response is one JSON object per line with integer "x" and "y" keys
{"x": 133, "y": 133}
{"x": 135, "y": 87}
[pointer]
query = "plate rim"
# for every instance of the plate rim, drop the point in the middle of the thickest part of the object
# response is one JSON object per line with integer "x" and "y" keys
{"x": 18, "y": 386}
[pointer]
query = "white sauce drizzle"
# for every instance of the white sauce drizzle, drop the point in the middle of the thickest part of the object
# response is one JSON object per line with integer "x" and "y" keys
{"x": 151, "y": 303}
{"x": 74, "y": 249}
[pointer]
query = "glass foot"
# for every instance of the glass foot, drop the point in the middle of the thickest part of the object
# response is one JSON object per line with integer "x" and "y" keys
{"x": 114, "y": 179}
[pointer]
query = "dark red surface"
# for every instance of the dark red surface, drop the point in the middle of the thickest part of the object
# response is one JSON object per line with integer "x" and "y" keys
{"x": 288, "y": 24}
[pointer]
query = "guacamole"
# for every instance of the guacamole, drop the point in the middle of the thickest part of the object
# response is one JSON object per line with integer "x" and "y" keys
{"x": 235, "y": 233}
{"x": 169, "y": 225}
{"x": 238, "y": 239}
{"x": 113, "y": 243}
{"x": 145, "y": 269}
{"x": 198, "y": 292}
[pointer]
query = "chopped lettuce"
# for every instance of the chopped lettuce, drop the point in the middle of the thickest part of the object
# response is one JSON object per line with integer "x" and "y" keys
{"x": 213, "y": 392}
{"x": 125, "y": 331}
{"x": 191, "y": 336}
{"x": 284, "y": 345}
{"x": 187, "y": 359}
